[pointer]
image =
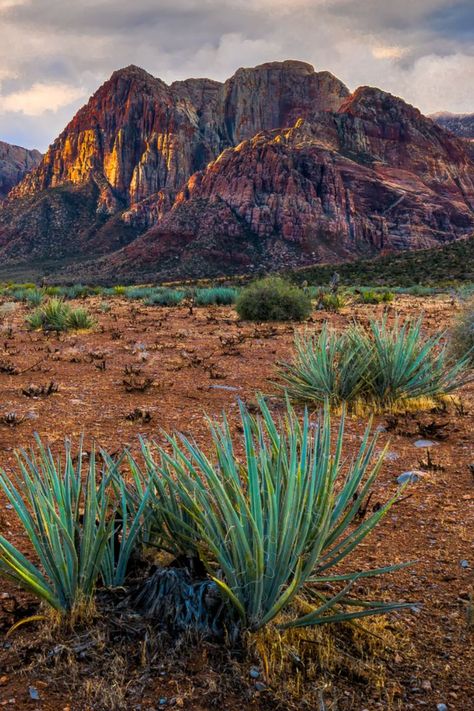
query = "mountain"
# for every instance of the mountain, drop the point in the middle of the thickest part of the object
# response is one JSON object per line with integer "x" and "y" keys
{"x": 462, "y": 125}
{"x": 15, "y": 162}
{"x": 276, "y": 167}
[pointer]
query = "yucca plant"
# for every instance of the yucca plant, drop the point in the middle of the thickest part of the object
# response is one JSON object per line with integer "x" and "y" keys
{"x": 217, "y": 295}
{"x": 56, "y": 315}
{"x": 381, "y": 367}
{"x": 325, "y": 368}
{"x": 274, "y": 521}
{"x": 52, "y": 316}
{"x": 404, "y": 364}
{"x": 71, "y": 520}
{"x": 79, "y": 319}
{"x": 165, "y": 297}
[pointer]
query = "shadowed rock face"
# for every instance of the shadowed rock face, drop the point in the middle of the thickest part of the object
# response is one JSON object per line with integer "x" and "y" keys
{"x": 278, "y": 166}
{"x": 15, "y": 162}
{"x": 462, "y": 125}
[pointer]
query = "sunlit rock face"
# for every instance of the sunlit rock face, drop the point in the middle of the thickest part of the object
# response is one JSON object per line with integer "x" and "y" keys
{"x": 143, "y": 136}
{"x": 278, "y": 166}
{"x": 15, "y": 162}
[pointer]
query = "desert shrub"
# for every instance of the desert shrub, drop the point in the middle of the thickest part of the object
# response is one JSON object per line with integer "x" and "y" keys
{"x": 370, "y": 296}
{"x": 76, "y": 291}
{"x": 221, "y": 295}
{"x": 165, "y": 297}
{"x": 52, "y": 290}
{"x": 52, "y": 316}
{"x": 79, "y": 319}
{"x": 273, "y": 299}
{"x": 332, "y": 301}
{"x": 381, "y": 366}
{"x": 34, "y": 297}
{"x": 275, "y": 521}
{"x": 119, "y": 290}
{"x": 56, "y": 315}
{"x": 462, "y": 334}
{"x": 139, "y": 292}
{"x": 72, "y": 519}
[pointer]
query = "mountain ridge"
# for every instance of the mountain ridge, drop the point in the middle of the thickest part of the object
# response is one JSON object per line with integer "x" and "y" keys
{"x": 279, "y": 165}
{"x": 15, "y": 162}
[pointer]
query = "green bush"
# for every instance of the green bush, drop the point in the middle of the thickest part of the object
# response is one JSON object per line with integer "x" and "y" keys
{"x": 382, "y": 367}
{"x": 332, "y": 302}
{"x": 56, "y": 315}
{"x": 276, "y": 520}
{"x": 52, "y": 316}
{"x": 221, "y": 296}
{"x": 462, "y": 334}
{"x": 34, "y": 297}
{"x": 165, "y": 297}
{"x": 79, "y": 319}
{"x": 273, "y": 299}
{"x": 371, "y": 296}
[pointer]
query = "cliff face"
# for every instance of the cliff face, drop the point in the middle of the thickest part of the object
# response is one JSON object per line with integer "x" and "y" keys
{"x": 345, "y": 185}
{"x": 137, "y": 136}
{"x": 279, "y": 165}
{"x": 462, "y": 125}
{"x": 15, "y": 162}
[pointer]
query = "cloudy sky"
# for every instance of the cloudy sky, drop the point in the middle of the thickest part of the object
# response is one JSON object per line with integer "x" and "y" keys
{"x": 55, "y": 53}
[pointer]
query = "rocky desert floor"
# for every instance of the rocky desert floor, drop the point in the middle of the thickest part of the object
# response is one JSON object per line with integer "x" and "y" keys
{"x": 144, "y": 369}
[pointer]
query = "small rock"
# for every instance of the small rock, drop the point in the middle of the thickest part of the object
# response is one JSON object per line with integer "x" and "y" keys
{"x": 412, "y": 477}
{"x": 426, "y": 685}
{"x": 223, "y": 387}
{"x": 464, "y": 564}
{"x": 259, "y": 686}
{"x": 441, "y": 707}
{"x": 33, "y": 691}
{"x": 254, "y": 673}
{"x": 163, "y": 701}
{"x": 424, "y": 443}
{"x": 3, "y": 680}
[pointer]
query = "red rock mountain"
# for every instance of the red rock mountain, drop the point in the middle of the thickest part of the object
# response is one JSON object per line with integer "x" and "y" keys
{"x": 15, "y": 162}
{"x": 280, "y": 165}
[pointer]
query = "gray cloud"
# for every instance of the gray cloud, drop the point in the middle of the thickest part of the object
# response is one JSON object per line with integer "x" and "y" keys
{"x": 54, "y": 54}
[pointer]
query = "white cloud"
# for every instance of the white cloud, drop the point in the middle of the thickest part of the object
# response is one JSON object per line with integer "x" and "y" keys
{"x": 40, "y": 98}
{"x": 388, "y": 52}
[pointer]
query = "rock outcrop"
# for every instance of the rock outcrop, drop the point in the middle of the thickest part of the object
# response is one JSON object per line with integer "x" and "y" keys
{"x": 15, "y": 162}
{"x": 278, "y": 166}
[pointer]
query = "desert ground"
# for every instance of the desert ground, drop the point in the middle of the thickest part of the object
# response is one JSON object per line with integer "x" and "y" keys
{"x": 144, "y": 369}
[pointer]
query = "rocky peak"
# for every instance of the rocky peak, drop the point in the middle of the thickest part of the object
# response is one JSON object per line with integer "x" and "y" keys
{"x": 15, "y": 162}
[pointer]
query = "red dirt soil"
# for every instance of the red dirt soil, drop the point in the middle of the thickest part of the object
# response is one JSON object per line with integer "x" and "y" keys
{"x": 192, "y": 359}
